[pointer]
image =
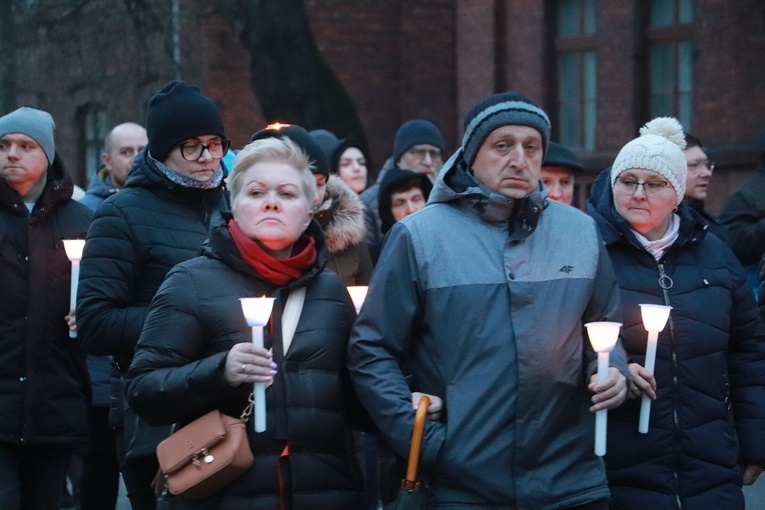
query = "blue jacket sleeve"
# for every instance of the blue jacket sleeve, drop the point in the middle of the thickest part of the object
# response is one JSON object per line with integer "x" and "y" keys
{"x": 387, "y": 325}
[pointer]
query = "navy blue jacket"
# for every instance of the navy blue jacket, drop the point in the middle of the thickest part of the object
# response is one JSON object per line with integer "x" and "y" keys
{"x": 709, "y": 414}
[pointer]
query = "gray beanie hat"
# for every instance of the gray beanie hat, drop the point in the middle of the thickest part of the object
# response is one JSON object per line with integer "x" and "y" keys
{"x": 658, "y": 148}
{"x": 34, "y": 123}
{"x": 507, "y": 108}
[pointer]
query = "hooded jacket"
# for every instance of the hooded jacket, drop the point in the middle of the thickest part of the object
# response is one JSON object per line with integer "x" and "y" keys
{"x": 709, "y": 413}
{"x": 341, "y": 215}
{"x": 744, "y": 213}
{"x": 177, "y": 375}
{"x": 44, "y": 385}
{"x": 476, "y": 298}
{"x": 101, "y": 188}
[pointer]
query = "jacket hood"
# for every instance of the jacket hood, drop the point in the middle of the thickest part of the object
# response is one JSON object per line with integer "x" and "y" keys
{"x": 614, "y": 228}
{"x": 456, "y": 184}
{"x": 394, "y": 178}
{"x": 221, "y": 246}
{"x": 341, "y": 215}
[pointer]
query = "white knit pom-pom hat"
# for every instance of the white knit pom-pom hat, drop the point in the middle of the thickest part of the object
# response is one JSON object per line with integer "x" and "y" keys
{"x": 658, "y": 148}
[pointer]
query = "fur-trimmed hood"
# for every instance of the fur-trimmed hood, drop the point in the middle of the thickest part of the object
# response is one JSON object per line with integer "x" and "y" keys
{"x": 341, "y": 215}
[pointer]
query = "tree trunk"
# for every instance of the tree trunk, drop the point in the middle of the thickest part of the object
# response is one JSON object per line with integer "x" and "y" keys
{"x": 290, "y": 78}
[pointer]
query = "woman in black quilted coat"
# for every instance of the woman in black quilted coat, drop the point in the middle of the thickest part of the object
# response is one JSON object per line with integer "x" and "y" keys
{"x": 195, "y": 352}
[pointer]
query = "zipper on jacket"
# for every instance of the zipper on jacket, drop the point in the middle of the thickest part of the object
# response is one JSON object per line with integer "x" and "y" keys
{"x": 666, "y": 283}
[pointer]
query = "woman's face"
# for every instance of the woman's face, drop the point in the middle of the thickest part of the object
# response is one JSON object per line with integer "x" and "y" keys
{"x": 271, "y": 206}
{"x": 203, "y": 167}
{"x": 352, "y": 168}
{"x": 648, "y": 213}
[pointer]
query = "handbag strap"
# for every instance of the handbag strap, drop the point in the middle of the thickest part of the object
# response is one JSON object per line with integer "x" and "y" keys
{"x": 291, "y": 315}
{"x": 410, "y": 481}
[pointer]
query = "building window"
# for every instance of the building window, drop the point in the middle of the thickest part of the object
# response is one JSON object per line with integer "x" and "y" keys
{"x": 93, "y": 129}
{"x": 576, "y": 73}
{"x": 672, "y": 59}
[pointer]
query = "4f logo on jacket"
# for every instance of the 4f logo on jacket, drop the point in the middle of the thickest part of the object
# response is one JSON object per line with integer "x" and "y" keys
{"x": 566, "y": 269}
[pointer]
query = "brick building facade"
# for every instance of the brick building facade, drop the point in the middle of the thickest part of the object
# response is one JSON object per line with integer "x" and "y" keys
{"x": 431, "y": 59}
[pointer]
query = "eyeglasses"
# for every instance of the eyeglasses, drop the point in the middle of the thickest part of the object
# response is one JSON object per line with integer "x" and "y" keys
{"x": 420, "y": 153}
{"x": 630, "y": 186}
{"x": 696, "y": 166}
{"x": 192, "y": 151}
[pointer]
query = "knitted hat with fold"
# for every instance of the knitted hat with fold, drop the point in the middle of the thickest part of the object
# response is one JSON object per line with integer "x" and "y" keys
{"x": 505, "y": 109}
{"x": 36, "y": 124}
{"x": 416, "y": 132}
{"x": 658, "y": 148}
{"x": 178, "y": 112}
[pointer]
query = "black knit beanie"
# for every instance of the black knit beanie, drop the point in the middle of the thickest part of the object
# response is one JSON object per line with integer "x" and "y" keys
{"x": 178, "y": 112}
{"x": 416, "y": 132}
{"x": 301, "y": 138}
{"x": 558, "y": 155}
{"x": 507, "y": 108}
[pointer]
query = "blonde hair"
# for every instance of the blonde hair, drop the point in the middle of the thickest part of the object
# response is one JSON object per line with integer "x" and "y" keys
{"x": 273, "y": 150}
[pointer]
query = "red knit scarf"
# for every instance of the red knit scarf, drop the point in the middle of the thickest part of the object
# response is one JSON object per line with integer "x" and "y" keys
{"x": 276, "y": 271}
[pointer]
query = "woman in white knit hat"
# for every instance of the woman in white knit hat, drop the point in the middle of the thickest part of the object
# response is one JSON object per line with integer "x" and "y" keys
{"x": 706, "y": 433}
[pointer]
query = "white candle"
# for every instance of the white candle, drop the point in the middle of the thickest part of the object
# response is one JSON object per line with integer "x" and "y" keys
{"x": 257, "y": 312}
{"x": 259, "y": 391}
{"x": 358, "y": 295}
{"x": 601, "y": 417}
{"x": 74, "y": 249}
{"x": 603, "y": 336}
{"x": 654, "y": 319}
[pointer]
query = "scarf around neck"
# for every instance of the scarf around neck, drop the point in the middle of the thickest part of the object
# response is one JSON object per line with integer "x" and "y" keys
{"x": 189, "y": 182}
{"x": 659, "y": 247}
{"x": 276, "y": 271}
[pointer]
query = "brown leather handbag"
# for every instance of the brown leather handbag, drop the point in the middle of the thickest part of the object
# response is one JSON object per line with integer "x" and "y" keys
{"x": 205, "y": 455}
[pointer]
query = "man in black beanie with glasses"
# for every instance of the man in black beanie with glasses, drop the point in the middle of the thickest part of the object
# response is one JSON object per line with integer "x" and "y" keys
{"x": 159, "y": 219}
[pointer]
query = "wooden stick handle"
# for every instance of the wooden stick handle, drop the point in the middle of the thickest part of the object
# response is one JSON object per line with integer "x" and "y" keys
{"x": 410, "y": 482}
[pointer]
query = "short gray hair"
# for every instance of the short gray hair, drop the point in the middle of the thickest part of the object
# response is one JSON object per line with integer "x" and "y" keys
{"x": 273, "y": 150}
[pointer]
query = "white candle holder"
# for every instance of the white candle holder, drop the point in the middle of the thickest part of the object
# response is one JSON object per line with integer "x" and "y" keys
{"x": 73, "y": 248}
{"x": 654, "y": 319}
{"x": 603, "y": 337}
{"x": 257, "y": 311}
{"x": 358, "y": 295}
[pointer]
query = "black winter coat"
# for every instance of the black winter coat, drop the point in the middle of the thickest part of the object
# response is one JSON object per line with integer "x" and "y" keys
{"x": 709, "y": 414}
{"x": 177, "y": 375}
{"x": 744, "y": 213}
{"x": 137, "y": 236}
{"x": 44, "y": 383}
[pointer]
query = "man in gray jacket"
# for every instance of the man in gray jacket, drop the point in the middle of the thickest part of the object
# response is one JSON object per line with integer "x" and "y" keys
{"x": 482, "y": 297}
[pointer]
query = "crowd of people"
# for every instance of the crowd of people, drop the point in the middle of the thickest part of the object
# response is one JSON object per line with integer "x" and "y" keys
{"x": 481, "y": 277}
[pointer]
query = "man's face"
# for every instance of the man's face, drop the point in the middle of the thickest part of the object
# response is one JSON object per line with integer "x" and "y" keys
{"x": 699, "y": 174}
{"x": 510, "y": 161}
{"x": 559, "y": 183}
{"x": 22, "y": 162}
{"x": 126, "y": 142}
{"x": 404, "y": 203}
{"x": 424, "y": 159}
